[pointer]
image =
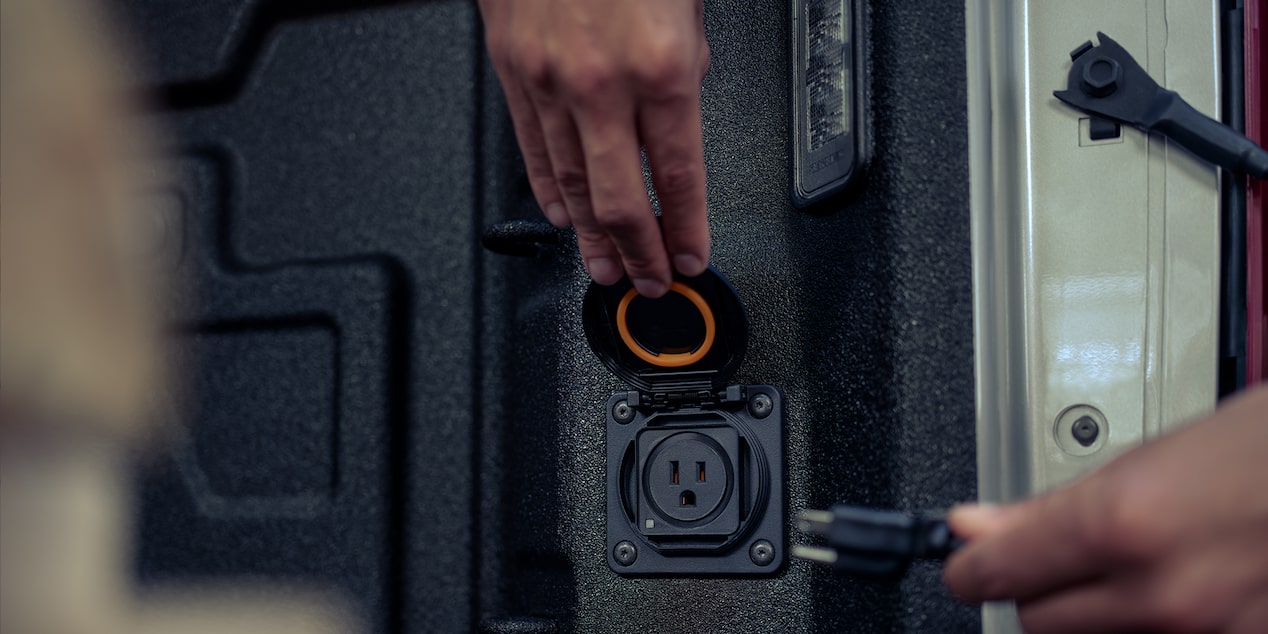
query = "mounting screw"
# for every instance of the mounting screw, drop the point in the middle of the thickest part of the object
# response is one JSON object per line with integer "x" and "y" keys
{"x": 761, "y": 552}
{"x": 761, "y": 406}
{"x": 623, "y": 413}
{"x": 625, "y": 553}
{"x": 1085, "y": 430}
{"x": 1100, "y": 77}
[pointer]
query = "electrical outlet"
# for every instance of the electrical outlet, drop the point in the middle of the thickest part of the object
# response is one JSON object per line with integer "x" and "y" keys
{"x": 688, "y": 481}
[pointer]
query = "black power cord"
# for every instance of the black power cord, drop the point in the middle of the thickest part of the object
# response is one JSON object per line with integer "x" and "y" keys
{"x": 874, "y": 543}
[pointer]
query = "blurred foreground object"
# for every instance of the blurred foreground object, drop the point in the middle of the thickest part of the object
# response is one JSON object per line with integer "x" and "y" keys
{"x": 75, "y": 310}
{"x": 78, "y": 347}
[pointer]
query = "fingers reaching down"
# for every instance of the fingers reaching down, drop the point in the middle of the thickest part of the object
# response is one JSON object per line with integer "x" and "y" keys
{"x": 587, "y": 84}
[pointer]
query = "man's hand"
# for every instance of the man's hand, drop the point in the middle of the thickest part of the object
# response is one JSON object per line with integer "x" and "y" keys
{"x": 1171, "y": 536}
{"x": 588, "y": 83}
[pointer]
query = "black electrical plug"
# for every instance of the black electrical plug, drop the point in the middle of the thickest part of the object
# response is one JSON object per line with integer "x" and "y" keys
{"x": 874, "y": 543}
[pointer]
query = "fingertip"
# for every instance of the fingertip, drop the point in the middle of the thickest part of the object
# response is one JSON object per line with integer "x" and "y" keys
{"x": 557, "y": 215}
{"x": 975, "y": 520}
{"x": 687, "y": 240}
{"x": 954, "y": 578}
{"x": 963, "y": 574}
{"x": 603, "y": 270}
{"x": 689, "y": 264}
{"x": 650, "y": 287}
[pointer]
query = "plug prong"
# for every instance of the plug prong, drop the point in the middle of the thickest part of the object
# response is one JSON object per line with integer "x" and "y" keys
{"x": 825, "y": 556}
{"x": 815, "y": 522}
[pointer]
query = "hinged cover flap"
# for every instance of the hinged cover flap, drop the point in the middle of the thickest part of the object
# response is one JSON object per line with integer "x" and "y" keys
{"x": 693, "y": 336}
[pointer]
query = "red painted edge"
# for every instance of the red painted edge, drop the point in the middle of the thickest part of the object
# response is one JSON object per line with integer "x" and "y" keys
{"x": 1256, "y": 25}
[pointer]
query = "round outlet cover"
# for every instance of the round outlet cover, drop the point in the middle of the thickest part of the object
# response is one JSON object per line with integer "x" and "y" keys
{"x": 697, "y": 331}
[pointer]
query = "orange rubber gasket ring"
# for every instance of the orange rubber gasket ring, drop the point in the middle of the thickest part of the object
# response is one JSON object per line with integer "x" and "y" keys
{"x": 673, "y": 359}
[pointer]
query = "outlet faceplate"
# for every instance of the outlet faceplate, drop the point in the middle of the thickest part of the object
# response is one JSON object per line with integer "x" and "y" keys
{"x": 693, "y": 489}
